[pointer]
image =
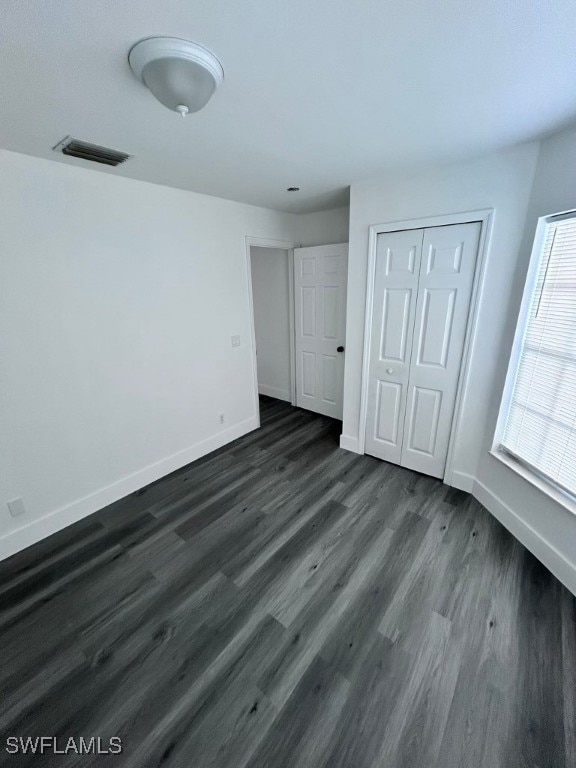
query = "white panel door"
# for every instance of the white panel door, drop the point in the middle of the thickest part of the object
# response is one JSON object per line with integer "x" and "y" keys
{"x": 444, "y": 291}
{"x": 398, "y": 257}
{"x": 320, "y": 275}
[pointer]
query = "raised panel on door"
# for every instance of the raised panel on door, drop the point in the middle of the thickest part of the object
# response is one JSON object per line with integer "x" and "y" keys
{"x": 320, "y": 276}
{"x": 329, "y": 378}
{"x": 395, "y": 289}
{"x": 387, "y": 423}
{"x": 330, "y": 319}
{"x": 436, "y": 322}
{"x": 445, "y": 286}
{"x": 307, "y": 266}
{"x": 308, "y": 370}
{"x": 423, "y": 421}
{"x": 395, "y": 324}
{"x": 308, "y": 310}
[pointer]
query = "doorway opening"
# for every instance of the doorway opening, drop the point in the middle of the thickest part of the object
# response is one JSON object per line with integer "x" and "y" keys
{"x": 273, "y": 311}
{"x": 298, "y": 312}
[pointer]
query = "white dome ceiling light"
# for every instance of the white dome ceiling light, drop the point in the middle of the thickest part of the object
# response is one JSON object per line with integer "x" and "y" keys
{"x": 182, "y": 75}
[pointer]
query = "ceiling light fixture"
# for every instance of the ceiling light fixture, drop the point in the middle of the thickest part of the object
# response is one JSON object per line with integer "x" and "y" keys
{"x": 182, "y": 75}
{"x": 293, "y": 189}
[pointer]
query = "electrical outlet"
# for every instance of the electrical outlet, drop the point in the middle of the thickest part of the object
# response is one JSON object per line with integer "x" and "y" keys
{"x": 235, "y": 341}
{"x": 221, "y": 418}
{"x": 16, "y": 507}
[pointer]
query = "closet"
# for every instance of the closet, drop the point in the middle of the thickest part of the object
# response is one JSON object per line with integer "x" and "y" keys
{"x": 422, "y": 290}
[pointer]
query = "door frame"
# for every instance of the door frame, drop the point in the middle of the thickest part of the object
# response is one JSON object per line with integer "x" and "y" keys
{"x": 284, "y": 245}
{"x": 486, "y": 217}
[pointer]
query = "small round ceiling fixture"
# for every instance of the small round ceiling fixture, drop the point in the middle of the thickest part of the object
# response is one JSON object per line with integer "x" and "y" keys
{"x": 182, "y": 75}
{"x": 293, "y": 189}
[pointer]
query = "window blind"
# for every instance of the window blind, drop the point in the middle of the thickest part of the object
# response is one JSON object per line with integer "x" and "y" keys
{"x": 540, "y": 427}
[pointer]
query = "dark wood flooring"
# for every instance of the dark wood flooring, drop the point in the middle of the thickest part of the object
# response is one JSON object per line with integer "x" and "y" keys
{"x": 282, "y": 603}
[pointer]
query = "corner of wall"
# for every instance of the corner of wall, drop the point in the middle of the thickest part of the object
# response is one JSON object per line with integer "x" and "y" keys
{"x": 20, "y": 538}
{"x": 535, "y": 542}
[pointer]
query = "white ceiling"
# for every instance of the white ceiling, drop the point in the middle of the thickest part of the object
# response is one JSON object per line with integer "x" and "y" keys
{"x": 317, "y": 93}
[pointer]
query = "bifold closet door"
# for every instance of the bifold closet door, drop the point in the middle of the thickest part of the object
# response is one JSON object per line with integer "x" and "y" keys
{"x": 444, "y": 291}
{"x": 398, "y": 256}
{"x": 417, "y": 342}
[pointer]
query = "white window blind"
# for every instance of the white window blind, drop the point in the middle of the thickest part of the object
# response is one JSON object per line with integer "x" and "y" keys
{"x": 540, "y": 427}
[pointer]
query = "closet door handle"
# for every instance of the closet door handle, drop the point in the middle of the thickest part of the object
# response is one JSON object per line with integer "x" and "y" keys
{"x": 339, "y": 349}
{"x": 389, "y": 370}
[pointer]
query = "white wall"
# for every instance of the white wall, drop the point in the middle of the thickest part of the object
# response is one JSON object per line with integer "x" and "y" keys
{"x": 546, "y": 527}
{"x": 501, "y": 181}
{"x": 118, "y": 299}
{"x": 324, "y": 227}
{"x": 270, "y": 291}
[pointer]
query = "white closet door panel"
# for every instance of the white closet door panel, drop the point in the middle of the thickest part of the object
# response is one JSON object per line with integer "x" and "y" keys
{"x": 395, "y": 324}
{"x": 435, "y": 330}
{"x": 445, "y": 286}
{"x": 398, "y": 257}
{"x": 309, "y": 374}
{"x": 388, "y": 401}
{"x": 423, "y": 420}
{"x": 320, "y": 276}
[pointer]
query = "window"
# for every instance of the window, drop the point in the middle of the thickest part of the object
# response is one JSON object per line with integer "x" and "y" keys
{"x": 539, "y": 409}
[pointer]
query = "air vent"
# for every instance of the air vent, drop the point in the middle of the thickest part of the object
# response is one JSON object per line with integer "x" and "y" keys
{"x": 92, "y": 152}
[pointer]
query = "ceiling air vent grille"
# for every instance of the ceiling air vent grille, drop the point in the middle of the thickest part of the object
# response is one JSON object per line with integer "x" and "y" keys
{"x": 92, "y": 152}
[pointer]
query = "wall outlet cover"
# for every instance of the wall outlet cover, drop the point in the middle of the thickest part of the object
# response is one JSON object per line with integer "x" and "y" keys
{"x": 16, "y": 507}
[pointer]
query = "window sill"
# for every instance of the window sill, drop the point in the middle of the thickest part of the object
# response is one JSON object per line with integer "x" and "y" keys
{"x": 547, "y": 489}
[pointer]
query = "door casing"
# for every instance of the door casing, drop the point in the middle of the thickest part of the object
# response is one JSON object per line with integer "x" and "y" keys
{"x": 485, "y": 217}
{"x": 285, "y": 246}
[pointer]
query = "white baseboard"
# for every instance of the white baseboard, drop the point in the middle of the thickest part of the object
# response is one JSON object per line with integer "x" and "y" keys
{"x": 563, "y": 569}
{"x": 462, "y": 481}
{"x": 38, "y": 529}
{"x": 279, "y": 394}
{"x": 349, "y": 443}
{"x": 29, "y": 534}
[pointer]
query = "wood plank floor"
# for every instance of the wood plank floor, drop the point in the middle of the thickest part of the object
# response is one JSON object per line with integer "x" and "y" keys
{"x": 282, "y": 603}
